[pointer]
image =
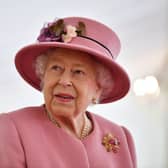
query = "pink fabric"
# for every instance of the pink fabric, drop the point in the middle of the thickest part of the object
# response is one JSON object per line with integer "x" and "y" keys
{"x": 29, "y": 140}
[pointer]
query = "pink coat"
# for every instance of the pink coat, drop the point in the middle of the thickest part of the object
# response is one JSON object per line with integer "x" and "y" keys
{"x": 29, "y": 140}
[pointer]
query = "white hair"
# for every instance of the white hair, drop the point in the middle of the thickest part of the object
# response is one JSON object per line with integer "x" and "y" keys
{"x": 103, "y": 78}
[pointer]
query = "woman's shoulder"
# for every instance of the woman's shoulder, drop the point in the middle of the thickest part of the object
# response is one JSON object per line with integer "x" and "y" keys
{"x": 103, "y": 121}
{"x": 106, "y": 125}
{"x": 22, "y": 114}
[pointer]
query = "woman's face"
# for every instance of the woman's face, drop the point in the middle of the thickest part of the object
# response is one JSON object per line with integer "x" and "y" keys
{"x": 69, "y": 82}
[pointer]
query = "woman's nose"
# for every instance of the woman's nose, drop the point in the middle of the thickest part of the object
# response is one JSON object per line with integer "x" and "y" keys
{"x": 65, "y": 80}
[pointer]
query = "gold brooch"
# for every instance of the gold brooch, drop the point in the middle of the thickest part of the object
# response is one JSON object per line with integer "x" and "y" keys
{"x": 111, "y": 143}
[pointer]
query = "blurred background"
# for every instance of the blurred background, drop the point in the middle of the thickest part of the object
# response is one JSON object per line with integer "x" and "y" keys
{"x": 143, "y": 29}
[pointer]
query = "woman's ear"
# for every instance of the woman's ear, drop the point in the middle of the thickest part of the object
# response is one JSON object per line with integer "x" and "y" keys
{"x": 98, "y": 93}
{"x": 41, "y": 85}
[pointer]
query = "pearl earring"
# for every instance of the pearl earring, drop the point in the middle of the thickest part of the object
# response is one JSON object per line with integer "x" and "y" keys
{"x": 94, "y": 101}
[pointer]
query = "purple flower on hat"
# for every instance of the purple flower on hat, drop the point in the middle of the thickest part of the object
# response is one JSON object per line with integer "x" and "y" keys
{"x": 58, "y": 31}
{"x": 52, "y": 32}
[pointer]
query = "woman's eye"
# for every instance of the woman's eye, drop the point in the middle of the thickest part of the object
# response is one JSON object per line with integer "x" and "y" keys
{"x": 56, "y": 68}
{"x": 79, "y": 72}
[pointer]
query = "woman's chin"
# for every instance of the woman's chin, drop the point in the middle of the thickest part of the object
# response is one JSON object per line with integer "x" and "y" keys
{"x": 61, "y": 109}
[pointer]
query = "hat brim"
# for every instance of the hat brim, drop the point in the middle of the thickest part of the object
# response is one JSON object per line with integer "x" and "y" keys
{"x": 25, "y": 65}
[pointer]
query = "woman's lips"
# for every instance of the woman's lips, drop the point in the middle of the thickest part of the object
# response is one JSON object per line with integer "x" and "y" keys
{"x": 64, "y": 97}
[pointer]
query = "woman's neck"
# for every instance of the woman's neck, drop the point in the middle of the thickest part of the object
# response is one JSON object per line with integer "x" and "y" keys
{"x": 73, "y": 125}
{"x": 78, "y": 126}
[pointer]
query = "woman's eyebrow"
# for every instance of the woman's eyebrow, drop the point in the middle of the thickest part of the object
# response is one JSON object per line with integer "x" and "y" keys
{"x": 79, "y": 65}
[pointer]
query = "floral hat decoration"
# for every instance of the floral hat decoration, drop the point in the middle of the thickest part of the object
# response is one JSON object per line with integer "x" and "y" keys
{"x": 82, "y": 34}
{"x": 60, "y": 32}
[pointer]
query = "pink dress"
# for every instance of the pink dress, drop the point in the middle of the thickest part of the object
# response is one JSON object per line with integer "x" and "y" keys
{"x": 29, "y": 140}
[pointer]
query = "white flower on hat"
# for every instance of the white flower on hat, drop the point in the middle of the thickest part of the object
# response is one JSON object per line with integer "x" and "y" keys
{"x": 70, "y": 33}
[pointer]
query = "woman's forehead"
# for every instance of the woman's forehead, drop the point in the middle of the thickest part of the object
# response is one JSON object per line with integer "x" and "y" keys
{"x": 72, "y": 56}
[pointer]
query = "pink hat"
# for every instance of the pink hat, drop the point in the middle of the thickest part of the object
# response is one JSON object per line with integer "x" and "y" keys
{"x": 81, "y": 34}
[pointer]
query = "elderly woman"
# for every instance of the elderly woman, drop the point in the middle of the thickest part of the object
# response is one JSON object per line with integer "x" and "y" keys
{"x": 73, "y": 65}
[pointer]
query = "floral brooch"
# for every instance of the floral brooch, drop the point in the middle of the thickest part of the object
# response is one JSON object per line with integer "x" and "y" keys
{"x": 58, "y": 31}
{"x": 111, "y": 143}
